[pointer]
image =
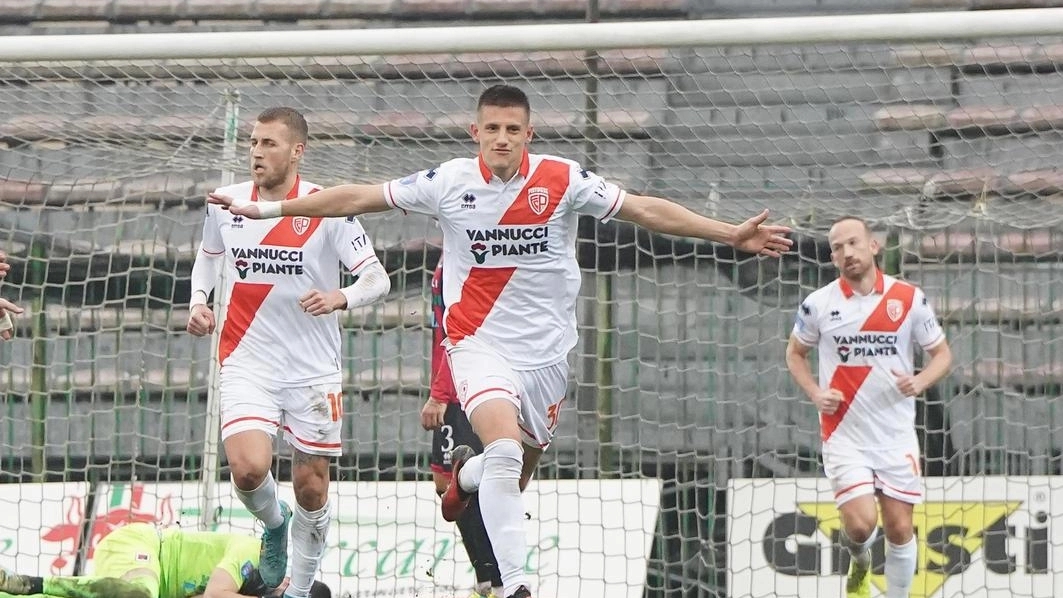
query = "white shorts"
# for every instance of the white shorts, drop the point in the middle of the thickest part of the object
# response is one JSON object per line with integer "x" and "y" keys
{"x": 480, "y": 374}
{"x": 894, "y": 471}
{"x": 311, "y": 416}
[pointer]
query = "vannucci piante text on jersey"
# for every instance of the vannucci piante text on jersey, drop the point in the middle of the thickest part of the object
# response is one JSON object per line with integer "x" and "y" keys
{"x": 510, "y": 278}
{"x": 269, "y": 264}
{"x": 860, "y": 339}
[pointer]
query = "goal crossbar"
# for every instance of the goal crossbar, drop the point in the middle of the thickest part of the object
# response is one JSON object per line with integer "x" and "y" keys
{"x": 935, "y": 26}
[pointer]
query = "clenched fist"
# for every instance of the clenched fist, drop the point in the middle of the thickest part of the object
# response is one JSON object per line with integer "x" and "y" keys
{"x": 200, "y": 321}
{"x": 827, "y": 400}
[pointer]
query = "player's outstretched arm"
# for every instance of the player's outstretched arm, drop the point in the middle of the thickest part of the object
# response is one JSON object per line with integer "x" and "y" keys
{"x": 663, "y": 216}
{"x": 342, "y": 200}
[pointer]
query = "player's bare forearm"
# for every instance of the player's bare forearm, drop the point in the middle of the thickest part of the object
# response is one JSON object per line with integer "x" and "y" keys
{"x": 670, "y": 218}
{"x": 342, "y": 200}
{"x": 219, "y": 593}
{"x": 939, "y": 365}
{"x": 221, "y": 585}
{"x": 753, "y": 235}
{"x": 800, "y": 368}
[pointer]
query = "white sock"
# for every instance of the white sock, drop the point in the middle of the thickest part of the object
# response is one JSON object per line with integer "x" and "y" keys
{"x": 471, "y": 473}
{"x": 900, "y": 568}
{"x": 309, "y": 532}
{"x": 503, "y": 510}
{"x": 262, "y": 502}
{"x": 861, "y": 552}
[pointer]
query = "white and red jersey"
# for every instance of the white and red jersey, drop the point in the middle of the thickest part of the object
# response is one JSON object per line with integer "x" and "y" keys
{"x": 510, "y": 276}
{"x": 859, "y": 340}
{"x": 268, "y": 265}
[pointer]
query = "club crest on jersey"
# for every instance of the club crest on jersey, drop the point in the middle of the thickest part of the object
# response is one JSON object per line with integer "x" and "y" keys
{"x": 538, "y": 199}
{"x": 894, "y": 309}
{"x": 300, "y": 224}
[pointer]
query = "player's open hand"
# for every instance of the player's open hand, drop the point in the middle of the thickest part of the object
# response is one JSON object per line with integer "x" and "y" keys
{"x": 909, "y": 385}
{"x": 754, "y": 236}
{"x": 4, "y": 266}
{"x": 318, "y": 303}
{"x": 432, "y": 414}
{"x": 827, "y": 400}
{"x": 241, "y": 207}
{"x": 200, "y": 321}
{"x": 7, "y": 327}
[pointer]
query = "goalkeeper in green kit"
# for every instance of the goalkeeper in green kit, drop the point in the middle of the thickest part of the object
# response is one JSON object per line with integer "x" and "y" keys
{"x": 140, "y": 560}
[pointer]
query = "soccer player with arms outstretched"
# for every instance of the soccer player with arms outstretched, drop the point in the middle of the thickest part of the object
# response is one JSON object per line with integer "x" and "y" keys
{"x": 510, "y": 281}
{"x": 863, "y": 326}
{"x": 453, "y": 437}
{"x": 280, "y": 342}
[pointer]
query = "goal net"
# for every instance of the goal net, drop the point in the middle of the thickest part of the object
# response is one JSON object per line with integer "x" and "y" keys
{"x": 686, "y": 462}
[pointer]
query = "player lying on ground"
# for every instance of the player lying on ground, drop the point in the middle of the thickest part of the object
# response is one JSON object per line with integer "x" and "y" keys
{"x": 140, "y": 560}
{"x": 510, "y": 283}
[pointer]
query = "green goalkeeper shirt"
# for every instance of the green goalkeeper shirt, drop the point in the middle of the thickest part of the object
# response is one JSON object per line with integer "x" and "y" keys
{"x": 188, "y": 558}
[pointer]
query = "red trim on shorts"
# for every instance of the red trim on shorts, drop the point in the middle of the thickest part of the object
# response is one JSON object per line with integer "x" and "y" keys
{"x": 249, "y": 417}
{"x": 325, "y": 445}
{"x": 898, "y": 490}
{"x": 854, "y": 486}
{"x": 470, "y": 399}
{"x": 532, "y": 436}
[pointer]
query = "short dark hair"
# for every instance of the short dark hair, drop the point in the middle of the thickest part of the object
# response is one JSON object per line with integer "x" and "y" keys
{"x": 320, "y": 590}
{"x": 504, "y": 96}
{"x": 867, "y": 227}
{"x": 291, "y": 117}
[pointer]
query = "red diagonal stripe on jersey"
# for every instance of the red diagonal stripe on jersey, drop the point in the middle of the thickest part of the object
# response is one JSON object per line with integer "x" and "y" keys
{"x": 478, "y": 295}
{"x": 283, "y": 234}
{"x": 848, "y": 379}
{"x": 243, "y": 305}
{"x": 550, "y": 175}
{"x": 891, "y": 311}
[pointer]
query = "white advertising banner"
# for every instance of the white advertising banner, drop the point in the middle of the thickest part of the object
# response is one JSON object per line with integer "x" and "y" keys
{"x": 988, "y": 536}
{"x": 585, "y": 537}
